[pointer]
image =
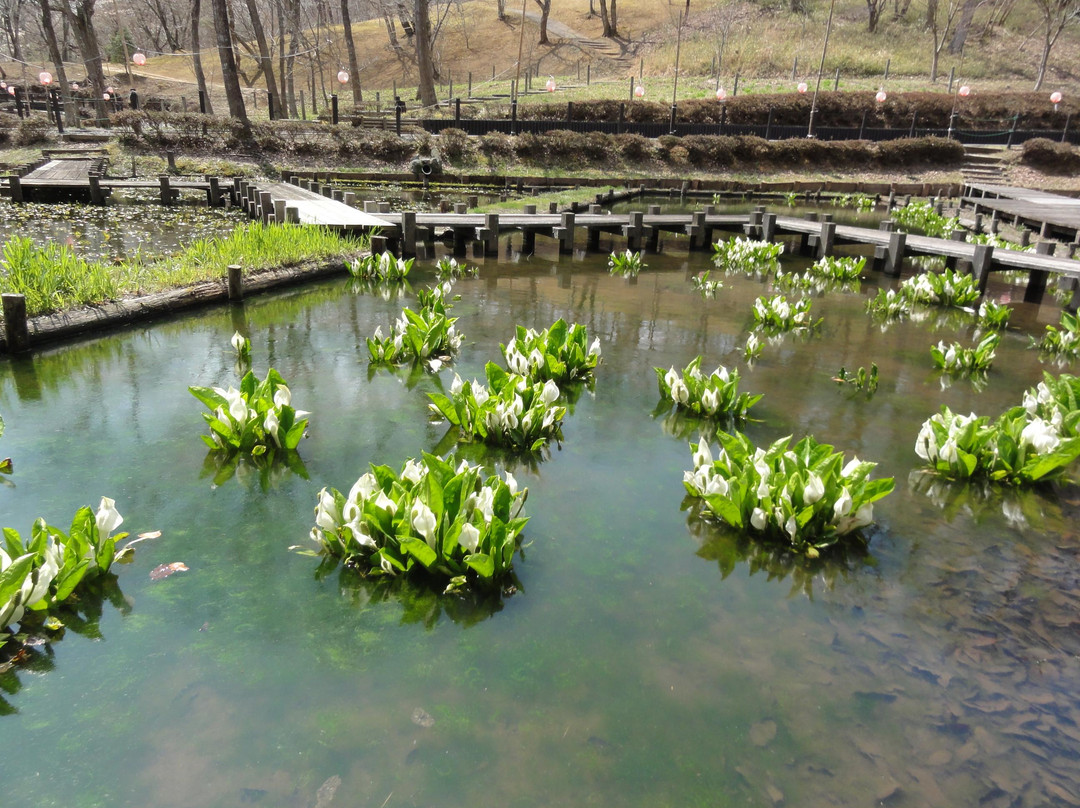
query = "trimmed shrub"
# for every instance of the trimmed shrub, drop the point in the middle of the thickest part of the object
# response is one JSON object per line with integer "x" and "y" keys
{"x": 920, "y": 151}
{"x": 456, "y": 146}
{"x": 1050, "y": 156}
{"x": 633, "y": 147}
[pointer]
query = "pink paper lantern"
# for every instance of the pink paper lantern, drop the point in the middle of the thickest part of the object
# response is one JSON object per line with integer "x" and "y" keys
{"x": 964, "y": 91}
{"x": 550, "y": 86}
{"x": 45, "y": 77}
{"x": 639, "y": 91}
{"x": 11, "y": 89}
{"x": 721, "y": 94}
{"x": 802, "y": 88}
{"x": 106, "y": 96}
{"x": 343, "y": 77}
{"x": 110, "y": 90}
{"x": 880, "y": 97}
{"x": 1055, "y": 98}
{"x": 139, "y": 58}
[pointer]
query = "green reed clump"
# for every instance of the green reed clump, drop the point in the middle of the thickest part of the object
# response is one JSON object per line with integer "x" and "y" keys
{"x": 53, "y": 277}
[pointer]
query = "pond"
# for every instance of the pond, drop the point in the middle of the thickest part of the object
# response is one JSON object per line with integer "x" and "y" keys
{"x": 647, "y": 657}
{"x": 123, "y": 229}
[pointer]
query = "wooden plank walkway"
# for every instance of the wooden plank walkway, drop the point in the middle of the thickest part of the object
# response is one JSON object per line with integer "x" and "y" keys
{"x": 315, "y": 208}
{"x": 1046, "y": 212}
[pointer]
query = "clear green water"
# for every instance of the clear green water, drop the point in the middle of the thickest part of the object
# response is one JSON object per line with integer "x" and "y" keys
{"x": 647, "y": 660}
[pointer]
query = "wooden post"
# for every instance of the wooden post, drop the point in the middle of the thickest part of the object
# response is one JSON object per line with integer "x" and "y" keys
{"x": 166, "y": 192}
{"x": 894, "y": 261}
{"x": 566, "y": 243}
{"x": 632, "y": 229}
{"x": 279, "y": 211}
{"x": 214, "y": 192}
{"x": 408, "y": 232}
{"x": 826, "y": 239}
{"x": 292, "y": 214}
{"x": 981, "y": 261}
{"x": 768, "y": 227}
{"x": 349, "y": 198}
{"x": 96, "y": 197}
{"x": 236, "y": 282}
{"x": 491, "y": 225}
{"x": 266, "y": 205}
{"x": 1037, "y": 278}
{"x": 15, "y": 330}
{"x": 697, "y": 230}
{"x": 15, "y": 186}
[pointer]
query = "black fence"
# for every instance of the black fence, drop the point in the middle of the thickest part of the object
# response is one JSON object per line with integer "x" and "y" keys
{"x": 1006, "y": 137}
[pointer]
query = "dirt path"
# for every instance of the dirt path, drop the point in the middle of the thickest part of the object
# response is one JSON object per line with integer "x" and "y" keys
{"x": 614, "y": 50}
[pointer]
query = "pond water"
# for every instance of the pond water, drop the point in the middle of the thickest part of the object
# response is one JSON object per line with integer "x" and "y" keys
{"x": 122, "y": 229}
{"x": 647, "y": 658}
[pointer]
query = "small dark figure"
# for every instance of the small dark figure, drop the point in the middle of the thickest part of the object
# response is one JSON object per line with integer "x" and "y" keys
{"x": 399, "y": 104}
{"x": 133, "y": 99}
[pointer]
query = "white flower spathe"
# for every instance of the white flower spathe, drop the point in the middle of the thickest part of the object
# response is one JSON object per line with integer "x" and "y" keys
{"x": 469, "y": 539}
{"x": 423, "y": 520}
{"x": 107, "y": 517}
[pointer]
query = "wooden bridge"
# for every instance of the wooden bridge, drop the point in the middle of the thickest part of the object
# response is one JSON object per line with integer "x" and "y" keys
{"x": 1049, "y": 214}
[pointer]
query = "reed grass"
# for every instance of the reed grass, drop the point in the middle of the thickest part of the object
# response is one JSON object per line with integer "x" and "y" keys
{"x": 53, "y": 278}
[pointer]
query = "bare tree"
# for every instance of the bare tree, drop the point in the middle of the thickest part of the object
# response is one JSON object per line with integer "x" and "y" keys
{"x": 266, "y": 60}
{"x": 424, "y": 62}
{"x": 71, "y": 113}
{"x": 350, "y": 48}
{"x": 169, "y": 23}
{"x": 940, "y": 18}
{"x": 610, "y": 17}
{"x": 230, "y": 77}
{"x": 196, "y": 57}
{"x": 80, "y": 14}
{"x": 967, "y": 13}
{"x": 10, "y": 19}
{"x": 545, "y": 11}
{"x": 875, "y": 9}
{"x": 1056, "y": 16}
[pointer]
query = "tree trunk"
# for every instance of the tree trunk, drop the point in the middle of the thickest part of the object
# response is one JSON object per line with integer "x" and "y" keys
{"x": 605, "y": 18}
{"x": 962, "y": 27}
{"x": 266, "y": 61}
{"x": 350, "y": 48}
{"x": 502, "y": 10}
{"x": 391, "y": 32}
{"x": 71, "y": 111}
{"x": 230, "y": 77}
{"x": 293, "y": 21}
{"x": 196, "y": 57}
{"x": 424, "y": 63}
{"x": 13, "y": 29}
{"x": 545, "y": 10}
{"x": 81, "y": 17}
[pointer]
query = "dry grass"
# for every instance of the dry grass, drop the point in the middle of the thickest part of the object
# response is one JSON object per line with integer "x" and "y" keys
{"x": 761, "y": 43}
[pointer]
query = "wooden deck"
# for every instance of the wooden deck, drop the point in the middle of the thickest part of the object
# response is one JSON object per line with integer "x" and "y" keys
{"x": 315, "y": 208}
{"x": 1049, "y": 214}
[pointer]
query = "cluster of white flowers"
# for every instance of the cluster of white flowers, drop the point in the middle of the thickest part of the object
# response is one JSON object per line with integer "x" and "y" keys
{"x": 926, "y": 444}
{"x": 746, "y": 254}
{"x": 946, "y": 288}
{"x": 774, "y": 491}
{"x": 777, "y": 312}
{"x": 239, "y": 413}
{"x": 385, "y": 267}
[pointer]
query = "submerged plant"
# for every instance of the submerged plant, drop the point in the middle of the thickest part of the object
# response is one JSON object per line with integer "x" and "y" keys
{"x": 863, "y": 380}
{"x": 752, "y": 349}
{"x": 509, "y": 411}
{"x": 955, "y": 358}
{"x": 628, "y": 263}
{"x": 859, "y": 202}
{"x": 418, "y": 336}
{"x": 707, "y": 288}
{"x": 746, "y": 255}
{"x": 448, "y": 269}
{"x": 560, "y": 353}
{"x": 44, "y": 570}
{"x": 450, "y": 521}
{"x": 993, "y": 315}
{"x": 1063, "y": 339}
{"x": 803, "y": 497}
{"x": 775, "y": 314}
{"x": 922, "y": 216}
{"x": 1019, "y": 448}
{"x": 383, "y": 267}
{"x": 945, "y": 288}
{"x": 843, "y": 269}
{"x": 713, "y": 395}
{"x": 255, "y": 420}
{"x": 889, "y": 303}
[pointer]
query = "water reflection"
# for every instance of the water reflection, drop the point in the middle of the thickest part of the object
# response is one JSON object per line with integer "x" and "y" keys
{"x": 268, "y": 471}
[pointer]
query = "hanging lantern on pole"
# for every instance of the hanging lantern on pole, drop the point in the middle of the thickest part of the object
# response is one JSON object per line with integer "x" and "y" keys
{"x": 721, "y": 94}
{"x": 107, "y": 96}
{"x": 964, "y": 91}
{"x": 45, "y": 77}
{"x": 343, "y": 77}
{"x": 802, "y": 88}
{"x": 139, "y": 58}
{"x": 11, "y": 89}
{"x": 639, "y": 91}
{"x": 550, "y": 86}
{"x": 1055, "y": 99}
{"x": 880, "y": 97}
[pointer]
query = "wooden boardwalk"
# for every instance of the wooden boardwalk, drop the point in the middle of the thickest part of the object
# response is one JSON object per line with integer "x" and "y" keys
{"x": 315, "y": 208}
{"x": 1050, "y": 214}
{"x": 642, "y": 231}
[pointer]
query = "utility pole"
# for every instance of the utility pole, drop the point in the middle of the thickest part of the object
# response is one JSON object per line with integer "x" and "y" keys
{"x": 821, "y": 68}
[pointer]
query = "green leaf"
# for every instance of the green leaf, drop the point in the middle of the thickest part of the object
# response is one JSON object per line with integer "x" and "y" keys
{"x": 482, "y": 564}
{"x": 419, "y": 550}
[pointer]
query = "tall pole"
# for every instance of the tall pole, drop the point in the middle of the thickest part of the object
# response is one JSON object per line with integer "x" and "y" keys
{"x": 821, "y": 68}
{"x": 123, "y": 42}
{"x": 521, "y": 50}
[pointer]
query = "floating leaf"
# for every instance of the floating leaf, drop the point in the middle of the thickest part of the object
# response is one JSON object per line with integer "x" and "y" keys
{"x": 422, "y": 718}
